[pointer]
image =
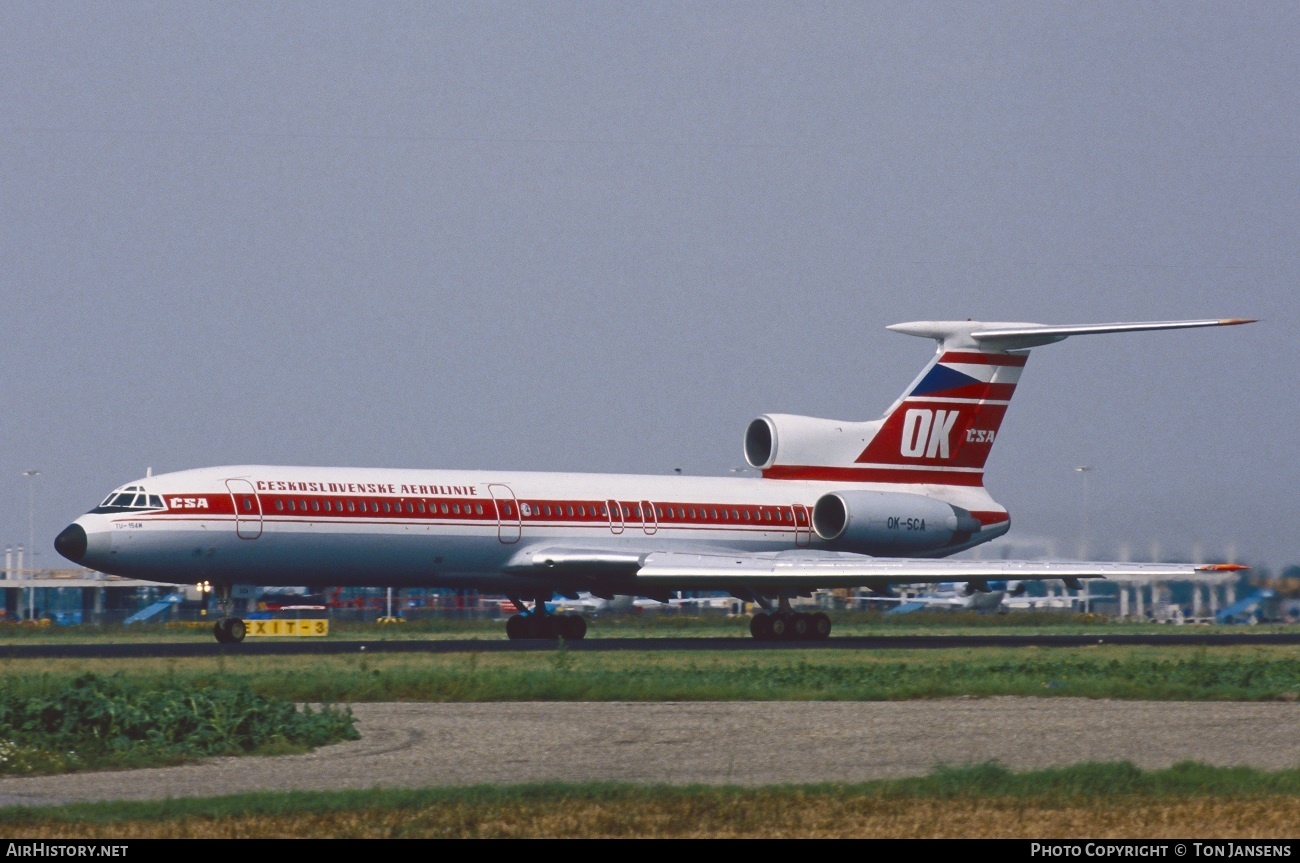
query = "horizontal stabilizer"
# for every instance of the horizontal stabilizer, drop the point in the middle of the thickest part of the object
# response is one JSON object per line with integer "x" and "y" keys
{"x": 980, "y": 335}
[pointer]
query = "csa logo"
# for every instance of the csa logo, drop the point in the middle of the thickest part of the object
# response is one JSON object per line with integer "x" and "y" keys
{"x": 188, "y": 502}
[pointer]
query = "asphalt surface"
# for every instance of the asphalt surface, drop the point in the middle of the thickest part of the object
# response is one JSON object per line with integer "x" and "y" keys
{"x": 304, "y": 646}
{"x": 743, "y": 743}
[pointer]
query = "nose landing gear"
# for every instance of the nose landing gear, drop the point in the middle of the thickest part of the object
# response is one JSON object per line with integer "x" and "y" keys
{"x": 228, "y": 630}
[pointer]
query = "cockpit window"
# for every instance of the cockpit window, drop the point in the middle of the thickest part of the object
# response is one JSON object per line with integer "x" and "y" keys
{"x": 131, "y": 498}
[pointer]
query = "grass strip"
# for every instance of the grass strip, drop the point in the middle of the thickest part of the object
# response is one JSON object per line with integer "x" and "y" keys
{"x": 1105, "y": 671}
{"x": 1085, "y": 800}
{"x": 94, "y": 722}
{"x": 648, "y": 625}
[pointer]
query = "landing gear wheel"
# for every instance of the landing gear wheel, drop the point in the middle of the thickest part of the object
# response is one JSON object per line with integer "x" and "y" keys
{"x": 230, "y": 630}
{"x": 780, "y": 627}
{"x": 800, "y": 627}
{"x": 821, "y": 626}
{"x": 516, "y": 627}
{"x": 573, "y": 627}
{"x": 760, "y": 626}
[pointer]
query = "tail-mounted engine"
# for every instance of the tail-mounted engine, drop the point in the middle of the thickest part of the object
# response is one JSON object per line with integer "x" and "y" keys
{"x": 890, "y": 523}
{"x": 787, "y": 439}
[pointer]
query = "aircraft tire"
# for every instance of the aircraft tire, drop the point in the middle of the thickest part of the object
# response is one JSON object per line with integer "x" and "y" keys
{"x": 800, "y": 627}
{"x": 219, "y": 630}
{"x": 760, "y": 626}
{"x": 821, "y": 626}
{"x": 573, "y": 627}
{"x": 516, "y": 627}
{"x": 780, "y": 627}
{"x": 236, "y": 629}
{"x": 543, "y": 626}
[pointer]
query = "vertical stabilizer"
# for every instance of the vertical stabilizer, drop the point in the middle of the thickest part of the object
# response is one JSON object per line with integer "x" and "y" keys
{"x": 941, "y": 429}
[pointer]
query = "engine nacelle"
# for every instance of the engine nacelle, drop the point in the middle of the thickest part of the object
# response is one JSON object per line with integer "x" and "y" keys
{"x": 890, "y": 523}
{"x": 787, "y": 439}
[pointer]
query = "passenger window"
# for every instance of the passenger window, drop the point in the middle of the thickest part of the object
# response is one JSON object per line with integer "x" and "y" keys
{"x": 279, "y": 505}
{"x": 445, "y": 509}
{"x": 735, "y": 515}
{"x": 387, "y": 507}
{"x": 582, "y": 511}
{"x": 420, "y": 507}
{"x": 315, "y": 506}
{"x": 508, "y": 509}
{"x": 478, "y": 509}
{"x": 352, "y": 506}
{"x": 569, "y": 510}
{"x": 724, "y": 515}
{"x": 746, "y": 515}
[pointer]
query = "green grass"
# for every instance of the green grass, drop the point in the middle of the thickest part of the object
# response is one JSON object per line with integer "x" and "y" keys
{"x": 1100, "y": 671}
{"x": 50, "y": 725}
{"x": 651, "y": 625}
{"x": 1081, "y": 782}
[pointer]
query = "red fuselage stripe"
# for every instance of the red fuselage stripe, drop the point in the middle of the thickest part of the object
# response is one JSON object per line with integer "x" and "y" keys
{"x": 875, "y": 474}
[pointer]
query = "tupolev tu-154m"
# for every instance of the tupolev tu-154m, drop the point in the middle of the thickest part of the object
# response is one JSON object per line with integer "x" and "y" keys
{"x": 837, "y": 505}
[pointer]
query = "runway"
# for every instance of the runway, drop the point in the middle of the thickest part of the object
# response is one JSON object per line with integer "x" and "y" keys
{"x": 410, "y": 745}
{"x": 300, "y": 646}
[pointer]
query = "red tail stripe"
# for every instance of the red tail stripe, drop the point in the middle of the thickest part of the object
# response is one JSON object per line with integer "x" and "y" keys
{"x": 983, "y": 359}
{"x": 988, "y": 392}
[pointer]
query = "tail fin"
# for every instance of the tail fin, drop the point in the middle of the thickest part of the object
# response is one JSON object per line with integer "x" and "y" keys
{"x": 949, "y": 417}
{"x": 941, "y": 430}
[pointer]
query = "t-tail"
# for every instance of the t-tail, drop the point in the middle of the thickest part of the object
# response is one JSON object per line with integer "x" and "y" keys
{"x": 941, "y": 430}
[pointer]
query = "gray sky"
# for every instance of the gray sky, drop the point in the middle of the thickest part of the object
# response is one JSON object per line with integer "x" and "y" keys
{"x": 604, "y": 236}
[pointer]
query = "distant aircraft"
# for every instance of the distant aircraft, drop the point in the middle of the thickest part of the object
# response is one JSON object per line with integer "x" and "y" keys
{"x": 839, "y": 504}
{"x": 999, "y": 595}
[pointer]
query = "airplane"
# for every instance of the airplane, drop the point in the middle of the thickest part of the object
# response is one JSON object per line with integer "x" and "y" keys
{"x": 951, "y": 595}
{"x": 838, "y": 504}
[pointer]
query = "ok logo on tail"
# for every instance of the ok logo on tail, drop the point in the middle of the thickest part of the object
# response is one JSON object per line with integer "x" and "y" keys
{"x": 926, "y": 432}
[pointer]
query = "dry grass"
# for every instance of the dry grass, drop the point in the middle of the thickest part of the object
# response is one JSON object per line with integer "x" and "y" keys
{"x": 757, "y": 814}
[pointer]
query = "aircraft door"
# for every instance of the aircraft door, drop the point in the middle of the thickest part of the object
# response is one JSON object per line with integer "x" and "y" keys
{"x": 802, "y": 525}
{"x": 616, "y": 521}
{"x": 510, "y": 522}
{"x": 650, "y": 521}
{"x": 248, "y": 508}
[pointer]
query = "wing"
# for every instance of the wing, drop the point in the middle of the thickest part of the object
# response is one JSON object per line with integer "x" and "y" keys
{"x": 649, "y": 572}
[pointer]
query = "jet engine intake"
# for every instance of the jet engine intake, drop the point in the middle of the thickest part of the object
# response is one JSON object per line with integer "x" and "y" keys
{"x": 890, "y": 523}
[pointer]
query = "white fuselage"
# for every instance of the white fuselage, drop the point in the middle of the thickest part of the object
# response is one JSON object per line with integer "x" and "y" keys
{"x": 268, "y": 525}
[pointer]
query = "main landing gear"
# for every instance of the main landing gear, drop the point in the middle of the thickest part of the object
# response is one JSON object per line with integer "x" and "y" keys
{"x": 537, "y": 623}
{"x": 228, "y": 630}
{"x": 785, "y": 624}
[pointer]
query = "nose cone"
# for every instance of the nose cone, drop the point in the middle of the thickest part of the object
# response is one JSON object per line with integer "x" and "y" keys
{"x": 71, "y": 543}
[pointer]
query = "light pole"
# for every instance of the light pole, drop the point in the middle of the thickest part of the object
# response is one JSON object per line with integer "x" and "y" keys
{"x": 31, "y": 534}
{"x": 1083, "y": 471}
